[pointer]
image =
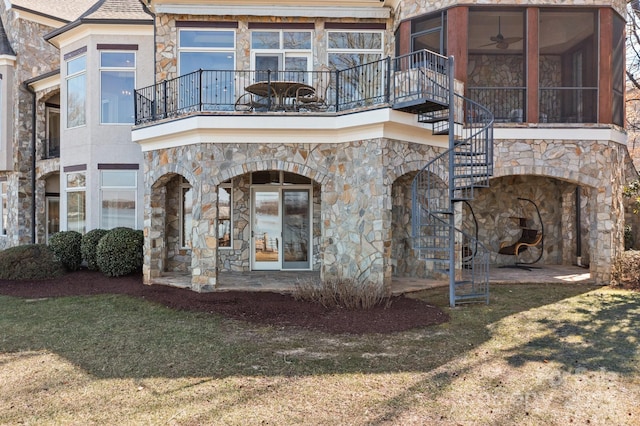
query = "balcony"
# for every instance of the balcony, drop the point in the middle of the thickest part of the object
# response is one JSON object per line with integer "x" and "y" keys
{"x": 417, "y": 82}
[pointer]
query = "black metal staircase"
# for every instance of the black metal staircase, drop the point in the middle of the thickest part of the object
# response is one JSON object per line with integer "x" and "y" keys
{"x": 425, "y": 86}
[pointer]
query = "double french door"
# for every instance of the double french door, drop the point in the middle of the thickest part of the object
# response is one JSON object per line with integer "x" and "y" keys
{"x": 281, "y": 229}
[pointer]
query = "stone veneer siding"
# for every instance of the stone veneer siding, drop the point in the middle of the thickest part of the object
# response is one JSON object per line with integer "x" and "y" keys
{"x": 355, "y": 208}
{"x": 599, "y": 167}
{"x": 365, "y": 202}
{"x": 167, "y": 39}
{"x": 34, "y": 57}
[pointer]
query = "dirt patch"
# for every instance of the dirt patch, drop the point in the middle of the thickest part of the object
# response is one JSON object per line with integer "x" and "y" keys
{"x": 256, "y": 307}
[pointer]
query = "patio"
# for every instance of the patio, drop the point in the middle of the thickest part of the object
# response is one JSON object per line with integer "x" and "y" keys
{"x": 284, "y": 281}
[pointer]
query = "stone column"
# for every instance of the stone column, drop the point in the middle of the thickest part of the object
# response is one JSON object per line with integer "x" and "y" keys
{"x": 154, "y": 233}
{"x": 356, "y": 218}
{"x": 568, "y": 225}
{"x": 204, "y": 254}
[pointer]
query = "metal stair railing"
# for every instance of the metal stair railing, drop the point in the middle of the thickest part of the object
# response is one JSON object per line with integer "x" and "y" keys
{"x": 451, "y": 177}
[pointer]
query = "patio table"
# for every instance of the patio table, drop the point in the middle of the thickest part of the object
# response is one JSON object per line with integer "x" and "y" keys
{"x": 281, "y": 90}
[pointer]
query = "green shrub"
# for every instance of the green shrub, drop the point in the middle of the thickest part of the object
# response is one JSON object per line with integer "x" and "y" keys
{"x": 29, "y": 262}
{"x": 119, "y": 252}
{"x": 626, "y": 270}
{"x": 89, "y": 246}
{"x": 66, "y": 247}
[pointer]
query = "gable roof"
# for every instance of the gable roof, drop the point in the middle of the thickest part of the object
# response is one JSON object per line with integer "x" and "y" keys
{"x": 62, "y": 10}
{"x": 117, "y": 10}
{"x": 109, "y": 12}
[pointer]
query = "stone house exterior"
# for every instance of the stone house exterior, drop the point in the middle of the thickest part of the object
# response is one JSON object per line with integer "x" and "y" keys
{"x": 237, "y": 171}
{"x": 67, "y": 161}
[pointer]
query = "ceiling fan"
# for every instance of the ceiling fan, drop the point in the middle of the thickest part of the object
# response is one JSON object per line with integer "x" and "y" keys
{"x": 500, "y": 41}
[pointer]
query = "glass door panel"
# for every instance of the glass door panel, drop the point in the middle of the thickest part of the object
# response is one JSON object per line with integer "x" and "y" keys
{"x": 266, "y": 231}
{"x": 295, "y": 229}
{"x": 268, "y": 62}
{"x": 53, "y": 216}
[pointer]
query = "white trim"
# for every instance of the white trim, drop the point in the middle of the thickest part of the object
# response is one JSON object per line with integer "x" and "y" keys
{"x": 39, "y": 19}
{"x": 279, "y": 11}
{"x": 46, "y": 83}
{"x": 7, "y": 60}
{"x": 65, "y": 39}
{"x": 285, "y": 128}
{"x": 561, "y": 133}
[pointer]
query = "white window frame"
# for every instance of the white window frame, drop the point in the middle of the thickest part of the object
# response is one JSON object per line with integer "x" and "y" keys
{"x": 283, "y": 52}
{"x": 4, "y": 207}
{"x": 201, "y": 49}
{"x": 132, "y": 189}
{"x": 132, "y": 70}
{"x": 358, "y": 50}
{"x": 70, "y": 77}
{"x": 73, "y": 189}
{"x": 229, "y": 187}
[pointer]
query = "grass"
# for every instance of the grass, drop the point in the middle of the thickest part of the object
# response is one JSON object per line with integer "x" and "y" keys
{"x": 538, "y": 354}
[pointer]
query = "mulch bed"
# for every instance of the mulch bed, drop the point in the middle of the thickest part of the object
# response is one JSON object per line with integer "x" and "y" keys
{"x": 256, "y": 307}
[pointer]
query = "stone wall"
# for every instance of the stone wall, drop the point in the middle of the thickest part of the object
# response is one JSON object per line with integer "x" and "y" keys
{"x": 34, "y": 57}
{"x": 598, "y": 167}
{"x": 353, "y": 193}
{"x": 167, "y": 38}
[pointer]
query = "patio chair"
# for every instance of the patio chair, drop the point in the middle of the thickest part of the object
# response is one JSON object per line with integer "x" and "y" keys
{"x": 251, "y": 102}
{"x": 311, "y": 101}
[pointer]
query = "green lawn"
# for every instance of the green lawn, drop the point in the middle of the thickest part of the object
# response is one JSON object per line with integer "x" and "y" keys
{"x": 538, "y": 354}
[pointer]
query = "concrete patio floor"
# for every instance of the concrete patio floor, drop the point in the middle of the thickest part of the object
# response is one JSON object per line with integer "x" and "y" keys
{"x": 285, "y": 281}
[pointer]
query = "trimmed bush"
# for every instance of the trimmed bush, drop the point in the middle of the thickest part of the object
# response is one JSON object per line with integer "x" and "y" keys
{"x": 342, "y": 293}
{"x": 29, "y": 262}
{"x": 89, "y": 246}
{"x": 66, "y": 247}
{"x": 119, "y": 252}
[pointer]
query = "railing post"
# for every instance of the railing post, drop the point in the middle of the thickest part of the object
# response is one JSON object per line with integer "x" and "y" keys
{"x": 269, "y": 90}
{"x": 135, "y": 107}
{"x": 387, "y": 97}
{"x": 164, "y": 99}
{"x": 337, "y": 90}
{"x": 452, "y": 216}
{"x": 200, "y": 90}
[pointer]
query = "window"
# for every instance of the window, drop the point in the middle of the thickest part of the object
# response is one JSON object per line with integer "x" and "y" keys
{"x": 281, "y": 50}
{"x": 224, "y": 215}
{"x": 117, "y": 83}
{"x": 53, "y": 132}
{"x": 186, "y": 206}
{"x": 76, "y": 202}
{"x": 429, "y": 33}
{"x": 347, "y": 49}
{"x": 568, "y": 66}
{"x": 496, "y": 74}
{"x": 212, "y": 51}
{"x": 3, "y": 207}
{"x": 118, "y": 198}
{"x": 363, "y": 74}
{"x": 76, "y": 91}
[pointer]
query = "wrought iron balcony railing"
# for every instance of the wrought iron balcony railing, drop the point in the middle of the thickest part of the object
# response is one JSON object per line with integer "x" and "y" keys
{"x": 372, "y": 85}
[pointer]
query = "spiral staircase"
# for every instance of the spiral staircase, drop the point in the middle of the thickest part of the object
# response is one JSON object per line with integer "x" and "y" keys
{"x": 425, "y": 86}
